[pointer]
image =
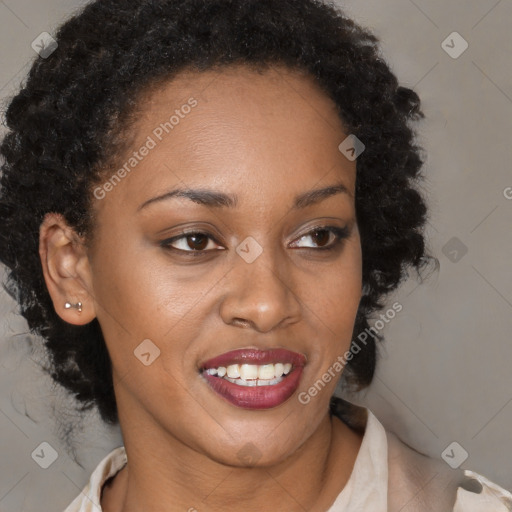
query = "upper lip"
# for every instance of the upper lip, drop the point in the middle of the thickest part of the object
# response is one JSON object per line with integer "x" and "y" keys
{"x": 255, "y": 356}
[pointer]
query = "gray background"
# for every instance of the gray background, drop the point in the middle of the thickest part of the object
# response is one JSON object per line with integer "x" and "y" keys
{"x": 444, "y": 371}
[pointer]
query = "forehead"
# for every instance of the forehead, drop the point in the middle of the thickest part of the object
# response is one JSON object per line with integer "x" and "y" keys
{"x": 234, "y": 126}
{"x": 262, "y": 99}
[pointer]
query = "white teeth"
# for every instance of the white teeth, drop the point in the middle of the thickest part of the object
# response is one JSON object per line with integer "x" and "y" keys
{"x": 233, "y": 371}
{"x": 252, "y": 374}
{"x": 258, "y": 382}
{"x": 248, "y": 371}
{"x": 266, "y": 371}
{"x": 244, "y": 382}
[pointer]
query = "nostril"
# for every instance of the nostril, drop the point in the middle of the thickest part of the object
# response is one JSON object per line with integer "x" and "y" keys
{"x": 241, "y": 322}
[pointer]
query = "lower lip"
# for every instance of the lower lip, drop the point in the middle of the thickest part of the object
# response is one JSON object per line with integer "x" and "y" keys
{"x": 256, "y": 397}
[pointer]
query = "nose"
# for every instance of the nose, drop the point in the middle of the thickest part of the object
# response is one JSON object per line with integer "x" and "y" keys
{"x": 261, "y": 295}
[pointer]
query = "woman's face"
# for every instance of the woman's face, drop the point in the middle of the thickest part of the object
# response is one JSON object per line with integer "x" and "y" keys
{"x": 256, "y": 276}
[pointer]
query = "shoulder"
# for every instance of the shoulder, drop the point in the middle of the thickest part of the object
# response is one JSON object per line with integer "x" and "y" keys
{"x": 419, "y": 483}
{"x": 90, "y": 497}
{"x": 479, "y": 494}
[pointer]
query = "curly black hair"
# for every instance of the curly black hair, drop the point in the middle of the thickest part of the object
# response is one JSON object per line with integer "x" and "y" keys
{"x": 70, "y": 120}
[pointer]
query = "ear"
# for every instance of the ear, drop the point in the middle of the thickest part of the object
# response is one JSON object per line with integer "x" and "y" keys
{"x": 66, "y": 269}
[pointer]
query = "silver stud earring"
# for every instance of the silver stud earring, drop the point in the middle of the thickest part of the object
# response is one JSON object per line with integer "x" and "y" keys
{"x": 77, "y": 306}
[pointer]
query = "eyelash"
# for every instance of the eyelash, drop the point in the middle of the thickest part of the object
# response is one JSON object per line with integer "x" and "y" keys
{"x": 339, "y": 233}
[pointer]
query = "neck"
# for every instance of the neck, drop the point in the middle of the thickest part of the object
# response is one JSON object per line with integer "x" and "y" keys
{"x": 163, "y": 472}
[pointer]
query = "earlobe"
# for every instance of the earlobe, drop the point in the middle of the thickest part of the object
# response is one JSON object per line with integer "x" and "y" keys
{"x": 62, "y": 256}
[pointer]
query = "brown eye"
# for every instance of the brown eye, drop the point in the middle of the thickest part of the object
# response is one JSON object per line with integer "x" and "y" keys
{"x": 322, "y": 239}
{"x": 192, "y": 242}
{"x": 198, "y": 241}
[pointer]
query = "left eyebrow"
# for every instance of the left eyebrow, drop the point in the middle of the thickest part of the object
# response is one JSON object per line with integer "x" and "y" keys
{"x": 215, "y": 199}
{"x": 315, "y": 196}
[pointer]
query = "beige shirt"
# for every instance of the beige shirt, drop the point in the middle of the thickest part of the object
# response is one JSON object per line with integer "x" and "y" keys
{"x": 383, "y": 462}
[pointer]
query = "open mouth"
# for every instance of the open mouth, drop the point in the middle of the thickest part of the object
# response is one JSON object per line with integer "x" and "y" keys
{"x": 252, "y": 374}
{"x": 254, "y": 379}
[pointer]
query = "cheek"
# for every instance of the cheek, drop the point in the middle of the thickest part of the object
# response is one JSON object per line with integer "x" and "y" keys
{"x": 334, "y": 301}
{"x": 335, "y": 293}
{"x": 143, "y": 298}
{"x": 140, "y": 289}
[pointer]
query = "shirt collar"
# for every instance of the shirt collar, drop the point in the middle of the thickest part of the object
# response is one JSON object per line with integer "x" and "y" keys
{"x": 367, "y": 486}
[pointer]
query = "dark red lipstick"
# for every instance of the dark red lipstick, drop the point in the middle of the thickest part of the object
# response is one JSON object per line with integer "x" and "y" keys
{"x": 255, "y": 396}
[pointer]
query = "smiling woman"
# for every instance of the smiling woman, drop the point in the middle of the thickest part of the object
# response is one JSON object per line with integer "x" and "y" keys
{"x": 202, "y": 203}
